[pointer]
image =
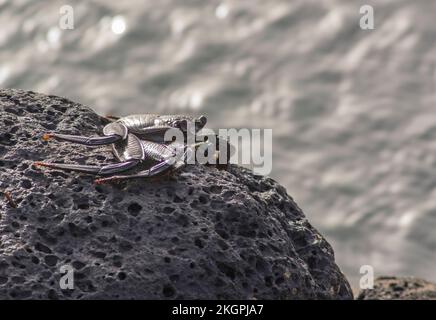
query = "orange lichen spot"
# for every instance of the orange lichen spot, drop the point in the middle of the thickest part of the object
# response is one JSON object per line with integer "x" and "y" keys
{"x": 46, "y": 136}
{"x": 99, "y": 181}
{"x": 40, "y": 164}
{"x": 9, "y": 199}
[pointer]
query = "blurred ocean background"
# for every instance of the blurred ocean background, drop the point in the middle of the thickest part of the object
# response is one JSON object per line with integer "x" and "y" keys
{"x": 352, "y": 111}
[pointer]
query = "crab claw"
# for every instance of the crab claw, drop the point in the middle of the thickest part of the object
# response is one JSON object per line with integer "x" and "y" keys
{"x": 47, "y": 136}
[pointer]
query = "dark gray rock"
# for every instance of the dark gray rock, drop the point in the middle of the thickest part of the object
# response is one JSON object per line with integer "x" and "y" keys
{"x": 399, "y": 288}
{"x": 203, "y": 234}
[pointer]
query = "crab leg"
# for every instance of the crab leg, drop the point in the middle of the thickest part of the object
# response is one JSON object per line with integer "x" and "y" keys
{"x": 113, "y": 132}
{"x": 89, "y": 141}
{"x": 97, "y": 170}
{"x": 153, "y": 171}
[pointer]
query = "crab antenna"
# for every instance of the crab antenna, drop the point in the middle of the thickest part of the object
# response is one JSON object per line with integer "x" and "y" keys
{"x": 111, "y": 117}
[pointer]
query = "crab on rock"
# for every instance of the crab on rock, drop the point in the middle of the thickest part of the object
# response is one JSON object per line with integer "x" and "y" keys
{"x": 138, "y": 142}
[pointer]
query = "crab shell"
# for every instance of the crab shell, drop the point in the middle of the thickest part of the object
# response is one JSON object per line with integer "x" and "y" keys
{"x": 153, "y": 127}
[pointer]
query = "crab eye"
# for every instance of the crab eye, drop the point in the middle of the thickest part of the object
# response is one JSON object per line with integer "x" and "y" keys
{"x": 181, "y": 124}
{"x": 202, "y": 120}
{"x": 200, "y": 123}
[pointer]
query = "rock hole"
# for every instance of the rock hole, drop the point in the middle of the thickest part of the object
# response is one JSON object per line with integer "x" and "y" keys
{"x": 226, "y": 269}
{"x": 199, "y": 243}
{"x": 168, "y": 209}
{"x": 26, "y": 184}
{"x": 83, "y": 205}
{"x": 78, "y": 265}
{"x": 134, "y": 208}
{"x": 168, "y": 291}
{"x": 203, "y": 199}
{"x": 40, "y": 247}
{"x": 51, "y": 260}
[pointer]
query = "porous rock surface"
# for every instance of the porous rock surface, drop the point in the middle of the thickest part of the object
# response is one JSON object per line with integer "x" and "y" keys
{"x": 399, "y": 288}
{"x": 202, "y": 234}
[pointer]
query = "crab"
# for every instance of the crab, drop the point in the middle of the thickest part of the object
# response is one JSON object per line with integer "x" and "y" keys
{"x": 131, "y": 138}
{"x": 150, "y": 127}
